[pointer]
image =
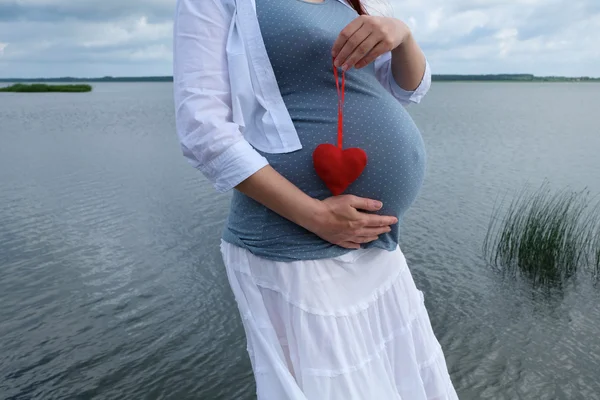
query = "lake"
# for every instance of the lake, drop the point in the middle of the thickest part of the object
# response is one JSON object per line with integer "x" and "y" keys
{"x": 112, "y": 285}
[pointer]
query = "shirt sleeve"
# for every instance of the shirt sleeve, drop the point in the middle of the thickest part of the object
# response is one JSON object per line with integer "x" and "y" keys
{"x": 383, "y": 70}
{"x": 209, "y": 138}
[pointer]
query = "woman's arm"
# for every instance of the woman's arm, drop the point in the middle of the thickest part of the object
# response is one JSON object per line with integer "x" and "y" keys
{"x": 408, "y": 61}
{"x": 214, "y": 144}
{"x": 400, "y": 65}
{"x": 336, "y": 219}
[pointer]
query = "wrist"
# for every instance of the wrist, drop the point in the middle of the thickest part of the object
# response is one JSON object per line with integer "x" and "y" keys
{"x": 408, "y": 40}
{"x": 402, "y": 32}
{"x": 313, "y": 215}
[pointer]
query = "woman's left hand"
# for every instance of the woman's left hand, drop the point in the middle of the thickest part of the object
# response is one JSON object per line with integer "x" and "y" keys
{"x": 366, "y": 38}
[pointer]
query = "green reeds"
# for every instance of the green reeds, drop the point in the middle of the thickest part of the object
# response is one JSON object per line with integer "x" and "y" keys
{"x": 41, "y": 87}
{"x": 595, "y": 253}
{"x": 545, "y": 237}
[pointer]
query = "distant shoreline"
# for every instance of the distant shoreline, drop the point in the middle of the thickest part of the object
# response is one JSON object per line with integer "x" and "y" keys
{"x": 436, "y": 78}
{"x": 44, "y": 88}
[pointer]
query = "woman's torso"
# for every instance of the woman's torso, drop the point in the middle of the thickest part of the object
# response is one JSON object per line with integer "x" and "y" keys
{"x": 298, "y": 36}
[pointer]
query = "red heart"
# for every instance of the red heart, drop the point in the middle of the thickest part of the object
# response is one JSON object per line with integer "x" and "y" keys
{"x": 338, "y": 168}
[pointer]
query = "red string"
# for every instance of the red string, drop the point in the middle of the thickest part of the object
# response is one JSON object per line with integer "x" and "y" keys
{"x": 340, "y": 91}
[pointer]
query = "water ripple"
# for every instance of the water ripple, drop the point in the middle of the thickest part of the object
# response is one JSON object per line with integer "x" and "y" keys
{"x": 112, "y": 284}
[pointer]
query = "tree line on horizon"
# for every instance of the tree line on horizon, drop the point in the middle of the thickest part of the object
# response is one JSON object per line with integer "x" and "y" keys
{"x": 435, "y": 78}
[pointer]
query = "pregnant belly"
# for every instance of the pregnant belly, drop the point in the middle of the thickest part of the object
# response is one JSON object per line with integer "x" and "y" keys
{"x": 396, "y": 156}
{"x": 394, "y": 174}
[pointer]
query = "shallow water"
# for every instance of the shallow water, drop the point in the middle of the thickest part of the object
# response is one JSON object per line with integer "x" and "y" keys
{"x": 112, "y": 284}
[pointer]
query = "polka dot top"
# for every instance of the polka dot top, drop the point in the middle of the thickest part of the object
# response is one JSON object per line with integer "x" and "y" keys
{"x": 299, "y": 36}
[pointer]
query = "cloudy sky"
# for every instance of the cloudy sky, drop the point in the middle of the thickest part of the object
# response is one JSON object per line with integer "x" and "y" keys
{"x": 84, "y": 38}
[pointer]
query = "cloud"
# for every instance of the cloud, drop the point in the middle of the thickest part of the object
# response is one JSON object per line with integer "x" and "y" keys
{"x": 544, "y": 37}
{"x": 80, "y": 38}
{"x": 105, "y": 10}
{"x": 133, "y": 37}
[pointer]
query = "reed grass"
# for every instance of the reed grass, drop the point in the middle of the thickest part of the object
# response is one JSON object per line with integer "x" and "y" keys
{"x": 544, "y": 236}
{"x": 595, "y": 252}
{"x": 42, "y": 87}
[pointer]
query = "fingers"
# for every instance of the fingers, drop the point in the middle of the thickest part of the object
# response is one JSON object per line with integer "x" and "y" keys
{"x": 365, "y": 239}
{"x": 360, "y": 42}
{"x": 361, "y": 51}
{"x": 365, "y": 39}
{"x": 370, "y": 220}
{"x": 345, "y": 34}
{"x": 353, "y": 226}
{"x": 361, "y": 203}
{"x": 377, "y": 221}
{"x": 378, "y": 50}
{"x": 371, "y": 232}
{"x": 355, "y": 244}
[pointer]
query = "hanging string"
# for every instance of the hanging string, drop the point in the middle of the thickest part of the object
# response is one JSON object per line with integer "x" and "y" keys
{"x": 341, "y": 92}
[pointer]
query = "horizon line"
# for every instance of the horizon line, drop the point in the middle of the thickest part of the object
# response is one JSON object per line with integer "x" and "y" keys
{"x": 171, "y": 76}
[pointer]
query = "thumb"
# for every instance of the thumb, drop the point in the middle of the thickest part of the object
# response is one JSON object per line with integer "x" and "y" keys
{"x": 361, "y": 203}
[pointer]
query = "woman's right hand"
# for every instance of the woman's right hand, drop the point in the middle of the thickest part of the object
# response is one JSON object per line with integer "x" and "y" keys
{"x": 339, "y": 220}
{"x": 342, "y": 221}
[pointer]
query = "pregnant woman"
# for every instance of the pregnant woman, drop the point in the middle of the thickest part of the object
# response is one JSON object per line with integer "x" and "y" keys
{"x": 328, "y": 304}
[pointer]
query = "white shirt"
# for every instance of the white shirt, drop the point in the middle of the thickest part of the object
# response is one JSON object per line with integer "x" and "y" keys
{"x": 227, "y": 101}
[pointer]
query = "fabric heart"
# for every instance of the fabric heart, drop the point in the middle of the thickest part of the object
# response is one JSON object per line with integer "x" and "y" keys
{"x": 337, "y": 167}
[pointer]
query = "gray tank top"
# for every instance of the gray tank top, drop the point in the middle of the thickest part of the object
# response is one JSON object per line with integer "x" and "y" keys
{"x": 298, "y": 36}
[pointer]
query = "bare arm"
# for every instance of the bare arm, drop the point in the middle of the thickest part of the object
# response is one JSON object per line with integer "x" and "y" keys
{"x": 336, "y": 219}
{"x": 408, "y": 63}
{"x": 275, "y": 192}
{"x": 214, "y": 143}
{"x": 368, "y": 37}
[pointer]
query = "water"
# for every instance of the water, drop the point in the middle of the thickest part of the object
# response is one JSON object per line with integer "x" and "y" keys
{"x": 112, "y": 286}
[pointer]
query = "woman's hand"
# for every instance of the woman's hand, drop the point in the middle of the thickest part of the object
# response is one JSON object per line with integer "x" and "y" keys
{"x": 336, "y": 219}
{"x": 340, "y": 221}
{"x": 366, "y": 38}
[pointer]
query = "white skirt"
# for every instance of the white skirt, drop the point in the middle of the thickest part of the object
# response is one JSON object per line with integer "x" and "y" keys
{"x": 353, "y": 327}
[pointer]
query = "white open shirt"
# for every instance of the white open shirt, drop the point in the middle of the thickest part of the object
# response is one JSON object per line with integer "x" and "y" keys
{"x": 227, "y": 99}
